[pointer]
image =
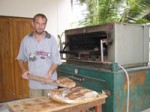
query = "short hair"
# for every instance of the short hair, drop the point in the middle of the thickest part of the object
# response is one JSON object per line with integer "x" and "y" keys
{"x": 40, "y": 15}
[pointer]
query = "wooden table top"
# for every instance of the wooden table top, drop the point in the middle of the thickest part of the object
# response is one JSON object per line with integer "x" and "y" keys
{"x": 44, "y": 104}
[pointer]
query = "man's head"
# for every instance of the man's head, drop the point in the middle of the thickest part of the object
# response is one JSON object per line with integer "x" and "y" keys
{"x": 39, "y": 23}
{"x": 40, "y": 15}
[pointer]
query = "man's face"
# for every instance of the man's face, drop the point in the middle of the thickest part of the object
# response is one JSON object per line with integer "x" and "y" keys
{"x": 39, "y": 25}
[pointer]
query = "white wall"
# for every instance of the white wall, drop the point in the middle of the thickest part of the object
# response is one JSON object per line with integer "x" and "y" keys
{"x": 57, "y": 12}
{"x": 64, "y": 15}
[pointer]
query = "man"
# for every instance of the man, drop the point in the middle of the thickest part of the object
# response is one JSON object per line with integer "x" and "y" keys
{"x": 40, "y": 50}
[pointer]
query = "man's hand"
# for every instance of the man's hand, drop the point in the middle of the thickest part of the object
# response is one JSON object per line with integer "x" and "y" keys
{"x": 25, "y": 75}
{"x": 48, "y": 76}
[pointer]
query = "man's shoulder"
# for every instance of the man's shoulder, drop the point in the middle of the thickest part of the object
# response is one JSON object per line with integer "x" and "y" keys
{"x": 27, "y": 37}
{"x": 48, "y": 35}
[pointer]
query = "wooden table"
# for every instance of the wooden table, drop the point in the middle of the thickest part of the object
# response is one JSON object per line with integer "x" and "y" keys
{"x": 44, "y": 104}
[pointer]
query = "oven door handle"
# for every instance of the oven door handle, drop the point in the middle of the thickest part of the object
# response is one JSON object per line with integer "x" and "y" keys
{"x": 77, "y": 79}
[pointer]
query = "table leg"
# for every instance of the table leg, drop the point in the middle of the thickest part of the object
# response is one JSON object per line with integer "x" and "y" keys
{"x": 98, "y": 108}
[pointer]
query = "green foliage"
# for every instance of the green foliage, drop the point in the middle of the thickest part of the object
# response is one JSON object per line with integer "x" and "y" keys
{"x": 107, "y": 11}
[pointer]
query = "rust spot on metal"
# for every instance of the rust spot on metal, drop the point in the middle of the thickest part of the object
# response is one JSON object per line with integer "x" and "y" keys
{"x": 118, "y": 100}
{"x": 135, "y": 78}
{"x": 131, "y": 106}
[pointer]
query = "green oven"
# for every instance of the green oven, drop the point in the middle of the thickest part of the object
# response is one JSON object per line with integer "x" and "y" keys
{"x": 113, "y": 82}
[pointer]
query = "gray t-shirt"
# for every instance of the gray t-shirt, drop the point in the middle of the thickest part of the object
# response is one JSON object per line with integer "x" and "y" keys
{"x": 40, "y": 56}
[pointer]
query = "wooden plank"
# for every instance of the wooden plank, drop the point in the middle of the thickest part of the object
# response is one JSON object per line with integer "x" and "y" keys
{"x": 53, "y": 82}
{"x": 12, "y": 30}
{"x": 22, "y": 27}
{"x": 44, "y": 104}
{"x": 6, "y": 60}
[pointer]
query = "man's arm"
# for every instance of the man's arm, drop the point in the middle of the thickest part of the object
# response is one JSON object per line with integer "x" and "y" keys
{"x": 22, "y": 68}
{"x": 51, "y": 71}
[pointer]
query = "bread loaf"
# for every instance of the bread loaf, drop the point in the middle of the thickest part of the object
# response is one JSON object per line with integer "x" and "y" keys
{"x": 66, "y": 82}
{"x": 73, "y": 95}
